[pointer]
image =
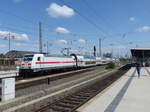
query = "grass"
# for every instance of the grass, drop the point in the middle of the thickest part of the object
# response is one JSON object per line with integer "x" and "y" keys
{"x": 111, "y": 65}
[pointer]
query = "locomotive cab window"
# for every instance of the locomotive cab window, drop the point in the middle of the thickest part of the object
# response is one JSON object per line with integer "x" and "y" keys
{"x": 38, "y": 59}
{"x": 28, "y": 58}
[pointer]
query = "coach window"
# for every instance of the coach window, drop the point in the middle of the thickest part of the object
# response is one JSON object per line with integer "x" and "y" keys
{"x": 38, "y": 59}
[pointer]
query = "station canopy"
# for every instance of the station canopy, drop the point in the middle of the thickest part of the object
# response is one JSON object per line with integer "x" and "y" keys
{"x": 140, "y": 52}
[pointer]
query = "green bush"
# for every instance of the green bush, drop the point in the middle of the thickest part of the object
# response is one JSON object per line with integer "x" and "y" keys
{"x": 111, "y": 65}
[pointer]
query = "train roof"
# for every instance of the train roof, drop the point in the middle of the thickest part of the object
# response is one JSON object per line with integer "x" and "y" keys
{"x": 55, "y": 55}
{"x": 86, "y": 56}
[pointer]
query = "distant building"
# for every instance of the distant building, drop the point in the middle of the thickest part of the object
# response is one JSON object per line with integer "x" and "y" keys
{"x": 18, "y": 54}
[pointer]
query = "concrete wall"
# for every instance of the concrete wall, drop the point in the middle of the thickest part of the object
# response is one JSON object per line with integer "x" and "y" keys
{"x": 4, "y": 68}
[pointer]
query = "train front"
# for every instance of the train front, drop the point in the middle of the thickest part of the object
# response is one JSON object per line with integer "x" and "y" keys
{"x": 26, "y": 64}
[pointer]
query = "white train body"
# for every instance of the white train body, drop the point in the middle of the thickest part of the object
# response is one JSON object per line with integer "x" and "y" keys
{"x": 85, "y": 61}
{"x": 99, "y": 61}
{"x": 41, "y": 62}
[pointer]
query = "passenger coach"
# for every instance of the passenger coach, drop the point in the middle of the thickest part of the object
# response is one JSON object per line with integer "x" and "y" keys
{"x": 41, "y": 62}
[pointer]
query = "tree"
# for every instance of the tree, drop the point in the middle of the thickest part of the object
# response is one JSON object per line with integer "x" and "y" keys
{"x": 2, "y": 55}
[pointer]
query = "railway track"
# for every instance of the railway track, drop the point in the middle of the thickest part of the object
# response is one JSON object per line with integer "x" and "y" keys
{"x": 57, "y": 72}
{"x": 71, "y": 102}
{"x": 21, "y": 84}
{"x": 33, "y": 85}
{"x": 64, "y": 96}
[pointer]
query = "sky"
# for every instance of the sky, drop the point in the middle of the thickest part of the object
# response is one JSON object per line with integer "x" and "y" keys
{"x": 77, "y": 24}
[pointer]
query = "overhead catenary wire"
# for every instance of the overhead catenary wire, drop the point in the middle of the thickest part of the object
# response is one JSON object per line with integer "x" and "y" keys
{"x": 19, "y": 17}
{"x": 46, "y": 24}
{"x": 21, "y": 29}
{"x": 17, "y": 26}
{"x": 24, "y": 29}
{"x": 85, "y": 18}
{"x": 33, "y": 22}
{"x": 23, "y": 19}
{"x": 18, "y": 30}
{"x": 95, "y": 13}
{"x": 123, "y": 35}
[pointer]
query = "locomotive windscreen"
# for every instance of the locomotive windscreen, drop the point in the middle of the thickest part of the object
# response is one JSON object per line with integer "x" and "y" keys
{"x": 28, "y": 58}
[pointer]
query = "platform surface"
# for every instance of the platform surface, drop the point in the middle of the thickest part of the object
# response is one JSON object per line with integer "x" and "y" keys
{"x": 11, "y": 73}
{"x": 128, "y": 94}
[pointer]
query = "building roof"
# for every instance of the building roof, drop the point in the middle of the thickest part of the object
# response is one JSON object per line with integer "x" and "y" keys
{"x": 140, "y": 49}
{"x": 19, "y": 54}
{"x": 140, "y": 52}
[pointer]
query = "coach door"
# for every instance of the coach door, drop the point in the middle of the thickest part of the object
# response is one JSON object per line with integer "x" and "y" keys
{"x": 40, "y": 62}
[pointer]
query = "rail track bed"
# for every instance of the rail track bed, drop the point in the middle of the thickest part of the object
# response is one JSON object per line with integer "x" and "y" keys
{"x": 34, "y": 84}
{"x": 26, "y": 83}
{"x": 71, "y": 102}
{"x": 56, "y": 72}
{"x": 64, "y": 95}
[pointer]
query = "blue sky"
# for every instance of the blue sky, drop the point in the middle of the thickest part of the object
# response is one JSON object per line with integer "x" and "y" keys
{"x": 121, "y": 24}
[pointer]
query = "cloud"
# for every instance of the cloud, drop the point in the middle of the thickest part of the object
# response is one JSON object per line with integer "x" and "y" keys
{"x": 62, "y": 41}
{"x": 61, "y": 30}
{"x": 82, "y": 41}
{"x": 56, "y": 11}
{"x": 132, "y": 19}
{"x": 20, "y": 44}
{"x": 3, "y": 46}
{"x": 25, "y": 44}
{"x": 35, "y": 45}
{"x": 13, "y": 36}
{"x": 143, "y": 29}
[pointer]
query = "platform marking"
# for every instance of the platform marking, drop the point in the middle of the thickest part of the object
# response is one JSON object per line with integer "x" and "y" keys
{"x": 113, "y": 105}
{"x": 147, "y": 70}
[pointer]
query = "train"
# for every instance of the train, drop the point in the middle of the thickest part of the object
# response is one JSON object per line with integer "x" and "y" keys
{"x": 42, "y": 62}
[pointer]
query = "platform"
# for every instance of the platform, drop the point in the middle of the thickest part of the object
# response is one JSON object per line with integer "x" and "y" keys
{"x": 128, "y": 94}
{"x": 11, "y": 73}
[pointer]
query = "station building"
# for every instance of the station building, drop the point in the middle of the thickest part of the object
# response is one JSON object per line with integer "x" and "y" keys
{"x": 141, "y": 55}
{"x": 12, "y": 59}
{"x": 18, "y": 54}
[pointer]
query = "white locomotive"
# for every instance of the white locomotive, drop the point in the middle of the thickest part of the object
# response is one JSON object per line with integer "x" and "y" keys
{"x": 41, "y": 62}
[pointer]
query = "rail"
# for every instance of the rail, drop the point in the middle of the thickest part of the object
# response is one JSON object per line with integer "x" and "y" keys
{"x": 71, "y": 102}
